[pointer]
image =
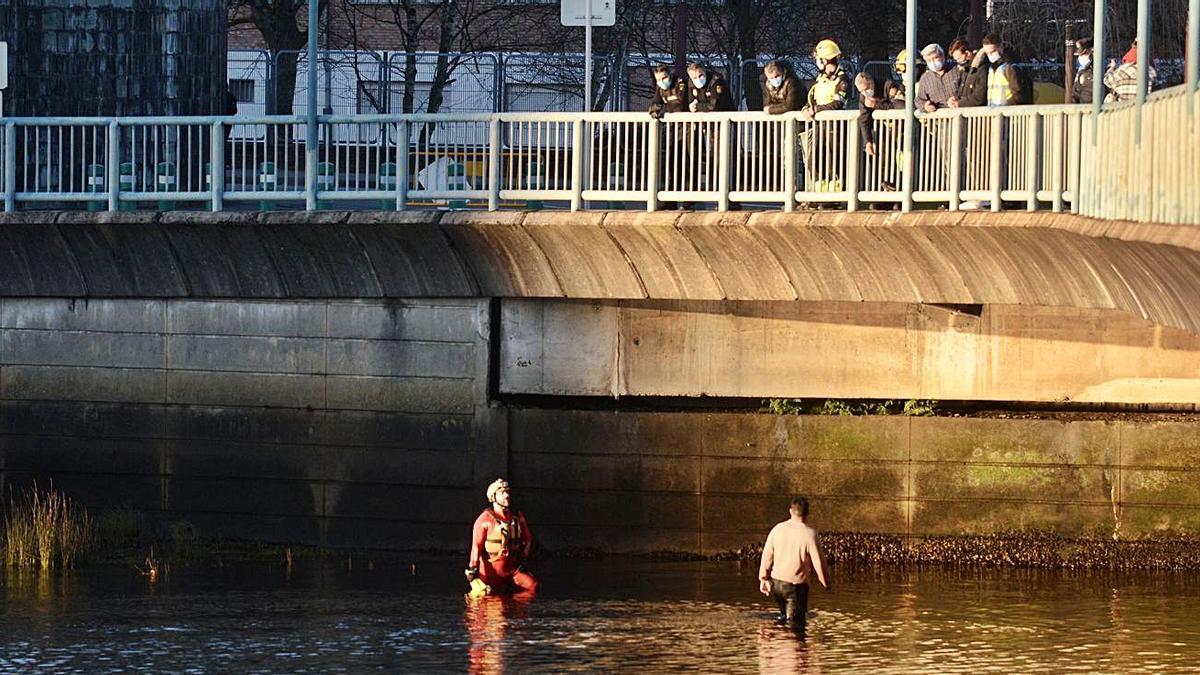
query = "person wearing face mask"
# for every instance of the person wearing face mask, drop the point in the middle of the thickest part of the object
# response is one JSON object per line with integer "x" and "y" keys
{"x": 670, "y": 93}
{"x": 780, "y": 89}
{"x": 709, "y": 91}
{"x": 871, "y": 97}
{"x": 895, "y": 86}
{"x": 1006, "y": 84}
{"x": 972, "y": 83}
{"x": 939, "y": 85}
{"x": 1081, "y": 88}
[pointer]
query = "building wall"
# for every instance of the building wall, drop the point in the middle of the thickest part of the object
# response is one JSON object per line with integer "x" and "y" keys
{"x": 115, "y": 57}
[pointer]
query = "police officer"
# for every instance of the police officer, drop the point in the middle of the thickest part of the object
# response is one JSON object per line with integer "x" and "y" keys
{"x": 709, "y": 91}
{"x": 670, "y": 93}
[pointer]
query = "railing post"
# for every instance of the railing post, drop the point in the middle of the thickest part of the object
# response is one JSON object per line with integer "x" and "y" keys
{"x": 790, "y": 135}
{"x": 994, "y": 155}
{"x": 311, "y": 151}
{"x": 1059, "y": 161}
{"x": 216, "y": 169}
{"x": 114, "y": 165}
{"x": 402, "y": 137}
{"x": 852, "y": 164}
{"x": 955, "y": 160}
{"x": 577, "y": 151}
{"x": 1033, "y": 165}
{"x": 10, "y": 167}
{"x": 652, "y": 164}
{"x": 494, "y": 129}
{"x": 724, "y": 147}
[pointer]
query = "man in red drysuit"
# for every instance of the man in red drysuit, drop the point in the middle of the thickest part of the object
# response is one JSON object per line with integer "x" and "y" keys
{"x": 500, "y": 544}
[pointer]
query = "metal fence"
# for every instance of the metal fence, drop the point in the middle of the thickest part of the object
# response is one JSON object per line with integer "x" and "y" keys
{"x": 1026, "y": 156}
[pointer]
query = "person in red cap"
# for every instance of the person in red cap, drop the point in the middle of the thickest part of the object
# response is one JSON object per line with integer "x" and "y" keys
{"x": 500, "y": 545}
{"x": 1122, "y": 80}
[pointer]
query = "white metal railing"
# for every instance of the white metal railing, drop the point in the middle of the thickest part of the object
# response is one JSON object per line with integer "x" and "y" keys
{"x": 1153, "y": 176}
{"x": 1030, "y": 156}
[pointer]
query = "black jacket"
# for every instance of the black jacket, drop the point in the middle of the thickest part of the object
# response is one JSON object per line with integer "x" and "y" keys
{"x": 883, "y": 95}
{"x": 973, "y": 91}
{"x": 673, "y": 100}
{"x": 714, "y": 96}
{"x": 1081, "y": 90}
{"x": 786, "y": 98}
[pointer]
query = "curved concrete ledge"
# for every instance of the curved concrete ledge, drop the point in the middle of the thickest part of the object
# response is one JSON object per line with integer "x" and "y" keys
{"x": 1151, "y": 271}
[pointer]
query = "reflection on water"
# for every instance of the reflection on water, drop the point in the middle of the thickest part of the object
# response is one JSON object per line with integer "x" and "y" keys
{"x": 596, "y": 616}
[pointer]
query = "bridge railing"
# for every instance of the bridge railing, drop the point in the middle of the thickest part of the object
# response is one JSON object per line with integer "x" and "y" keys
{"x": 1028, "y": 157}
{"x": 1151, "y": 176}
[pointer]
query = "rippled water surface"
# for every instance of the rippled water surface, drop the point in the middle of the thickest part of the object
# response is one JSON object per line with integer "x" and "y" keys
{"x": 595, "y": 616}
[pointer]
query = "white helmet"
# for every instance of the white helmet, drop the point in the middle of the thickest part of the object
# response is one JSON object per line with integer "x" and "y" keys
{"x": 496, "y": 486}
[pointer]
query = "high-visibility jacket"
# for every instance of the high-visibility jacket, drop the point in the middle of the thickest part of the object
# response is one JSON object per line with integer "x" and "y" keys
{"x": 828, "y": 92}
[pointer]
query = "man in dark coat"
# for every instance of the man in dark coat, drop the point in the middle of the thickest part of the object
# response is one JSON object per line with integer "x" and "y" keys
{"x": 709, "y": 91}
{"x": 670, "y": 93}
{"x": 780, "y": 89}
{"x": 1081, "y": 88}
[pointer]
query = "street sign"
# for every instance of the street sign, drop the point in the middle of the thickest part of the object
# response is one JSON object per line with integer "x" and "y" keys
{"x": 574, "y": 12}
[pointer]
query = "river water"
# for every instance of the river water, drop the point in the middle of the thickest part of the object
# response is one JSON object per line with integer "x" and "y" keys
{"x": 594, "y": 616}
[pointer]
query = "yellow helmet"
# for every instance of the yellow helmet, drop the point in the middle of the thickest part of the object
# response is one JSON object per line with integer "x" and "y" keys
{"x": 827, "y": 50}
{"x": 902, "y": 61}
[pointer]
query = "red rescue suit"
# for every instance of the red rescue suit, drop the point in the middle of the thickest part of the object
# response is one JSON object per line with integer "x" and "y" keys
{"x": 499, "y": 545}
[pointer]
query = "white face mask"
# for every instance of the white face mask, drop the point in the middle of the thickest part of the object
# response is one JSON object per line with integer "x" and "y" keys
{"x": 664, "y": 84}
{"x": 699, "y": 81}
{"x": 776, "y": 81}
{"x": 870, "y": 93}
{"x": 1083, "y": 61}
{"x": 936, "y": 65}
{"x": 994, "y": 56}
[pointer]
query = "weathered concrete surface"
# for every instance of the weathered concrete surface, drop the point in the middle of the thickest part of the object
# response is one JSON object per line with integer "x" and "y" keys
{"x": 843, "y": 350}
{"x": 708, "y": 482}
{"x": 1039, "y": 259}
{"x": 336, "y": 422}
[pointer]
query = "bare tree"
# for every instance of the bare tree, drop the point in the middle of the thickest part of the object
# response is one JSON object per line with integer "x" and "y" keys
{"x": 278, "y": 21}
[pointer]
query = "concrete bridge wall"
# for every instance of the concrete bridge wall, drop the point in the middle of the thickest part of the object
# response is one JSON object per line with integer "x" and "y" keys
{"x": 335, "y": 382}
{"x": 843, "y": 350}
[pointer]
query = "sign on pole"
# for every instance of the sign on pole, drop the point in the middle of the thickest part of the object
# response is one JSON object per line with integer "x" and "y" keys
{"x": 3, "y": 73}
{"x": 588, "y": 13}
{"x": 574, "y": 12}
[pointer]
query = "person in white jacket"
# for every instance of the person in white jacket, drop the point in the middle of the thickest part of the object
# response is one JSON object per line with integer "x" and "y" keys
{"x": 791, "y": 558}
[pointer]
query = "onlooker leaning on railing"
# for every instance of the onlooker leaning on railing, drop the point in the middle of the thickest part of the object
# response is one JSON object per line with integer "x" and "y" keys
{"x": 972, "y": 84}
{"x": 780, "y": 89}
{"x": 939, "y": 85}
{"x": 1081, "y": 87}
{"x": 1122, "y": 80}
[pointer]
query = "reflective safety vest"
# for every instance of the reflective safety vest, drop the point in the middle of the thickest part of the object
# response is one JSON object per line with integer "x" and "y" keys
{"x": 828, "y": 89}
{"x": 999, "y": 90}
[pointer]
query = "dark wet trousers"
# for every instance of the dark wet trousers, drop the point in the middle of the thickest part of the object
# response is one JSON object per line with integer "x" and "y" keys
{"x": 792, "y": 600}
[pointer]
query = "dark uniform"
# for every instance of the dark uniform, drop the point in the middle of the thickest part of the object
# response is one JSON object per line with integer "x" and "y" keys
{"x": 973, "y": 86}
{"x": 885, "y": 100}
{"x": 671, "y": 100}
{"x": 1081, "y": 90}
{"x": 714, "y": 96}
{"x": 784, "y": 98}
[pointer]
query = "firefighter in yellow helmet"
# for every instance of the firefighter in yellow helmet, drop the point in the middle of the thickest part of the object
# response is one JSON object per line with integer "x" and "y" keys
{"x": 895, "y": 89}
{"x": 829, "y": 90}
